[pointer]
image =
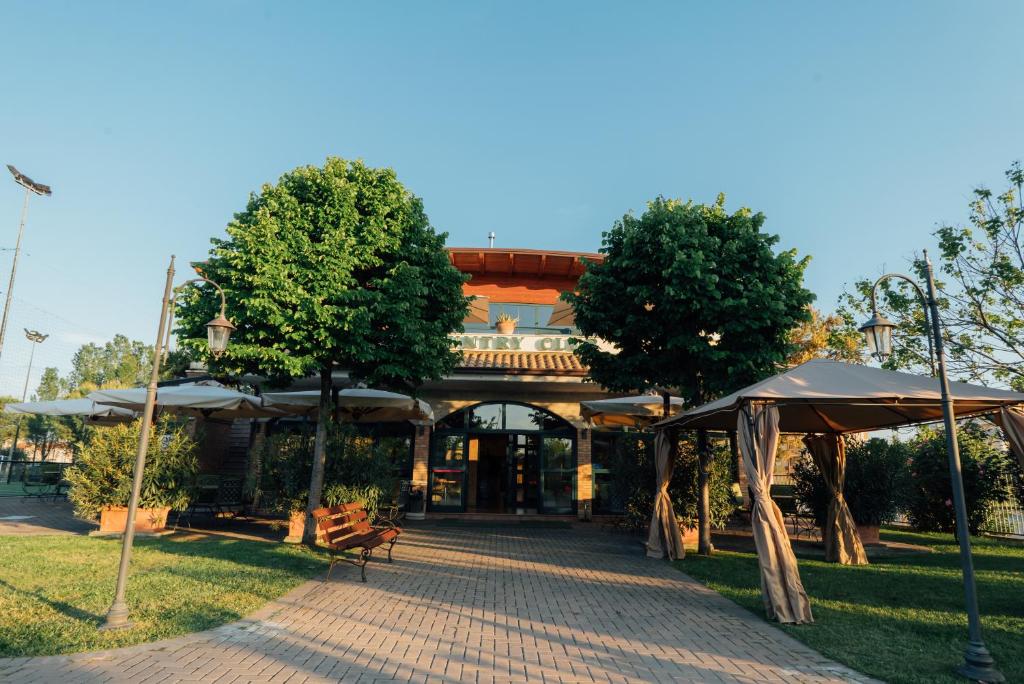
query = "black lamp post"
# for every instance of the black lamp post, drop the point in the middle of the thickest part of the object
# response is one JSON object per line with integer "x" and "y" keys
{"x": 978, "y": 663}
{"x": 217, "y": 331}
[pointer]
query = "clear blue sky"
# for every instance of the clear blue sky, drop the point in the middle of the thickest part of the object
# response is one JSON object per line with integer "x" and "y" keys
{"x": 855, "y": 129}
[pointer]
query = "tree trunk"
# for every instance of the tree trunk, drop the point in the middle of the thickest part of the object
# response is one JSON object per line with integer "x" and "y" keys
{"x": 316, "y": 478}
{"x": 704, "y": 546}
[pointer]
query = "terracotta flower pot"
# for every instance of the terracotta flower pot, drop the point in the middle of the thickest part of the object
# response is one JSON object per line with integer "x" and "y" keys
{"x": 296, "y": 527}
{"x": 868, "y": 534}
{"x": 115, "y": 518}
{"x": 506, "y": 327}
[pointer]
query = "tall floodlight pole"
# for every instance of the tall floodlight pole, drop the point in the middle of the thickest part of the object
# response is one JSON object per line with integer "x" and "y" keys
{"x": 31, "y": 188}
{"x": 978, "y": 666}
{"x": 36, "y": 338}
{"x": 217, "y": 333}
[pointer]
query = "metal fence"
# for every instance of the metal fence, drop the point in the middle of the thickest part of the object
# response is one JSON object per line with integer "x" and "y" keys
{"x": 20, "y": 477}
{"x": 1006, "y": 517}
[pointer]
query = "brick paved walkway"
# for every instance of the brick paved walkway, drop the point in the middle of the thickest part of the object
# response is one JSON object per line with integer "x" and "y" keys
{"x": 28, "y": 515}
{"x": 476, "y": 605}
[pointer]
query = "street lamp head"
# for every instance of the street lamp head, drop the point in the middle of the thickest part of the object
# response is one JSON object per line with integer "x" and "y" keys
{"x": 34, "y": 335}
{"x": 29, "y": 184}
{"x": 878, "y": 333}
{"x": 217, "y": 333}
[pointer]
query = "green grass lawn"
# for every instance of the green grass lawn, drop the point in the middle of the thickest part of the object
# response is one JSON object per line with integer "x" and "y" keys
{"x": 899, "y": 619}
{"x": 54, "y": 591}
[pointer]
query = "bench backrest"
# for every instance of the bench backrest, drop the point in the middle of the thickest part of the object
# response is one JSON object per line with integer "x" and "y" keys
{"x": 335, "y": 523}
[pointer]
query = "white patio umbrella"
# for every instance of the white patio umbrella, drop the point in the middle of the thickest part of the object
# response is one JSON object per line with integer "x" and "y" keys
{"x": 85, "y": 408}
{"x": 634, "y": 411}
{"x": 211, "y": 401}
{"x": 356, "y": 405}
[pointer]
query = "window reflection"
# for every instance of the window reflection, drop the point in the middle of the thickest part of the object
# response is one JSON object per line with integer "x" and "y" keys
{"x": 486, "y": 417}
{"x": 503, "y": 416}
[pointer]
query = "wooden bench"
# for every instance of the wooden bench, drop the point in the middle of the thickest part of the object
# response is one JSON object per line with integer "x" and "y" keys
{"x": 346, "y": 527}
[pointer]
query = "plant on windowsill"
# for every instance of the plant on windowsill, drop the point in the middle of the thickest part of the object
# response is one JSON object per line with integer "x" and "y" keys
{"x": 506, "y": 323}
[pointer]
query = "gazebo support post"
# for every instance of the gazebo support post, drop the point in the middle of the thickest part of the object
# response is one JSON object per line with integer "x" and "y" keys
{"x": 978, "y": 662}
{"x": 704, "y": 546}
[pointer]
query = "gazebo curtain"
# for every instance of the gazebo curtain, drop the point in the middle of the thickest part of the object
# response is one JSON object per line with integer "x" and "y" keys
{"x": 664, "y": 526}
{"x": 842, "y": 544}
{"x": 1012, "y": 423}
{"x": 781, "y": 588}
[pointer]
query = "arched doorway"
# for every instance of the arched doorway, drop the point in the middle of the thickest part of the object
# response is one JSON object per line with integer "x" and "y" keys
{"x": 503, "y": 457}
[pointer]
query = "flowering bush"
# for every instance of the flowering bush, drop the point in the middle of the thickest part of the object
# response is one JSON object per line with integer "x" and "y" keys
{"x": 984, "y": 464}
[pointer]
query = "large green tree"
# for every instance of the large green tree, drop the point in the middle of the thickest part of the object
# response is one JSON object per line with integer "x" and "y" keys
{"x": 334, "y": 267}
{"x": 122, "y": 362}
{"x": 695, "y": 299}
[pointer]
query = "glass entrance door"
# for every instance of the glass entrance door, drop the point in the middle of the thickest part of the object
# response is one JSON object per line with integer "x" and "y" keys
{"x": 503, "y": 457}
{"x": 523, "y": 481}
{"x": 448, "y": 474}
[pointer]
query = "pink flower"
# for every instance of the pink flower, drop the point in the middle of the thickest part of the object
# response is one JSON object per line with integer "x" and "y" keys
{"x": 949, "y": 503}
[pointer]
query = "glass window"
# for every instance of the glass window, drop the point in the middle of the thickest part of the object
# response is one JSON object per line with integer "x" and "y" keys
{"x": 558, "y": 453}
{"x": 486, "y": 417}
{"x": 449, "y": 450}
{"x": 518, "y": 417}
{"x": 528, "y": 315}
{"x": 620, "y": 464}
{"x": 453, "y": 421}
{"x": 558, "y": 476}
{"x": 502, "y": 416}
{"x": 446, "y": 488}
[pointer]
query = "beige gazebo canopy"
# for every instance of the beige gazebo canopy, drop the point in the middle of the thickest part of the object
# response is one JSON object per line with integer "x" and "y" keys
{"x": 822, "y": 396}
{"x": 825, "y": 399}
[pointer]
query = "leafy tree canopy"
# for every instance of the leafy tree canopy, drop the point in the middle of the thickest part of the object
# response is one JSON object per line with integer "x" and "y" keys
{"x": 825, "y": 337}
{"x": 332, "y": 265}
{"x": 119, "y": 363}
{"x": 980, "y": 282}
{"x": 693, "y": 297}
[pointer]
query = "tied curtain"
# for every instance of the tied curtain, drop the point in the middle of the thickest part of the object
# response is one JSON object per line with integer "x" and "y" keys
{"x": 664, "y": 526}
{"x": 842, "y": 543}
{"x": 1012, "y": 423}
{"x": 784, "y": 597}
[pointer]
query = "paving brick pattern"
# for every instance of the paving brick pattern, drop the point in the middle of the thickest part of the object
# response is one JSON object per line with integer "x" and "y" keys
{"x": 476, "y": 605}
{"x": 30, "y": 515}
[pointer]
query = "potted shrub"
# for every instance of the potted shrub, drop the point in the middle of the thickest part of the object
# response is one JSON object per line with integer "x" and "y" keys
{"x": 506, "y": 323}
{"x": 684, "y": 487}
{"x": 101, "y": 478}
{"x": 873, "y": 487}
{"x": 285, "y": 465}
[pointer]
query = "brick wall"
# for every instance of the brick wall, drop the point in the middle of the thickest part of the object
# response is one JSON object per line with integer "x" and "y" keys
{"x": 420, "y": 455}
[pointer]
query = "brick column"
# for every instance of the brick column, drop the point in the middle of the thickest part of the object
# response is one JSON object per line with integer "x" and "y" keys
{"x": 584, "y": 474}
{"x": 420, "y": 456}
